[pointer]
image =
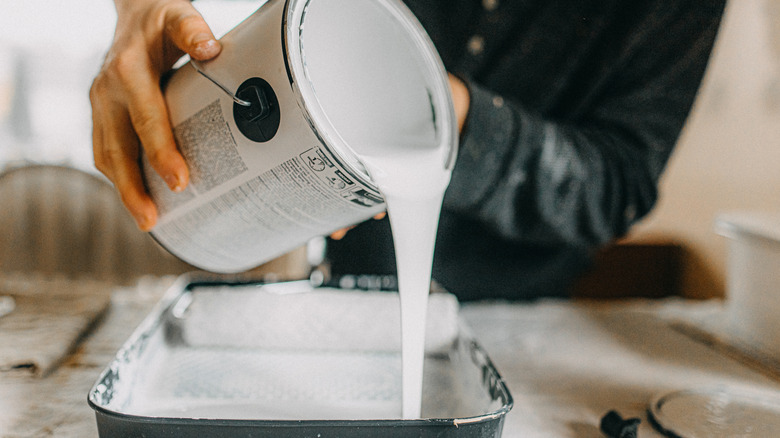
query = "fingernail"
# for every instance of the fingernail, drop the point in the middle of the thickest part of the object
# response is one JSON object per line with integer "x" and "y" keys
{"x": 201, "y": 38}
{"x": 204, "y": 46}
{"x": 144, "y": 222}
{"x": 173, "y": 183}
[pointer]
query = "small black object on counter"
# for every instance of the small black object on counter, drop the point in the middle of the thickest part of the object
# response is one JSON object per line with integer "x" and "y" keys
{"x": 614, "y": 426}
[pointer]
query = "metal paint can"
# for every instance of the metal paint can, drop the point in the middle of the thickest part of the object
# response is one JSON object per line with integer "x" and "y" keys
{"x": 322, "y": 77}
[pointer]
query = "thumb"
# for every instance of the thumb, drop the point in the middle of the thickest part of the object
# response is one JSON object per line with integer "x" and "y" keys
{"x": 189, "y": 32}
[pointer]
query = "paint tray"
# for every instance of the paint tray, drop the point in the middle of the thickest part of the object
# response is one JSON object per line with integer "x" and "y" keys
{"x": 235, "y": 358}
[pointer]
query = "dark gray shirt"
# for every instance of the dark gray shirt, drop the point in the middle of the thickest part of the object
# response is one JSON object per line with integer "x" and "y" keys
{"x": 576, "y": 106}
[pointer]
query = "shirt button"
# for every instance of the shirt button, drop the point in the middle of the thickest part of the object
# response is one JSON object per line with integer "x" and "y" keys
{"x": 476, "y": 45}
{"x": 490, "y": 5}
{"x": 630, "y": 213}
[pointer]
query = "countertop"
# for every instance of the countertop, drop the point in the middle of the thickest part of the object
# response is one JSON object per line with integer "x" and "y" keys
{"x": 566, "y": 363}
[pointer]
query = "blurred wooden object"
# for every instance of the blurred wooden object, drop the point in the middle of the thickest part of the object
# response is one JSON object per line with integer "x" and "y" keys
{"x": 60, "y": 220}
{"x": 643, "y": 270}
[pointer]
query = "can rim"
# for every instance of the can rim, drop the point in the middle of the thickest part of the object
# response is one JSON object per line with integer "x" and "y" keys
{"x": 323, "y": 129}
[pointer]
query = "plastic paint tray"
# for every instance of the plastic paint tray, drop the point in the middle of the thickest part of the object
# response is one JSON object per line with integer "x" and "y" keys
{"x": 183, "y": 375}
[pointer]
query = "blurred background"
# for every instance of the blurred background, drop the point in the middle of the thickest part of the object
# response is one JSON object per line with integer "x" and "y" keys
{"x": 49, "y": 53}
{"x": 727, "y": 159}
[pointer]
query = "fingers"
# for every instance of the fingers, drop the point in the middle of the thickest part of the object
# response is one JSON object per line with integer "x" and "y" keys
{"x": 184, "y": 26}
{"x": 189, "y": 32}
{"x": 149, "y": 117}
{"x": 339, "y": 234}
{"x": 129, "y": 110}
{"x": 115, "y": 149}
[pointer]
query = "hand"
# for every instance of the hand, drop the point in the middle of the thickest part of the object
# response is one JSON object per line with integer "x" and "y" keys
{"x": 128, "y": 108}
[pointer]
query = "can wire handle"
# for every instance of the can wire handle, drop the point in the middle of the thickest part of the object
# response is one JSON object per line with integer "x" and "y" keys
{"x": 235, "y": 98}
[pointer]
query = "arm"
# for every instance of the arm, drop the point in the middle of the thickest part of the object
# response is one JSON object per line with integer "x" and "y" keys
{"x": 584, "y": 177}
{"x": 128, "y": 108}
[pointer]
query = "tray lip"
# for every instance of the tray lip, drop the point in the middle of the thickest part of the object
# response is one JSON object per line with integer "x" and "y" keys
{"x": 187, "y": 282}
{"x": 384, "y": 422}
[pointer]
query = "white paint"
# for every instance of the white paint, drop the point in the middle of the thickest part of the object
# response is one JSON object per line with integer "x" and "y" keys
{"x": 264, "y": 384}
{"x": 413, "y": 181}
{"x": 272, "y": 410}
{"x": 379, "y": 92}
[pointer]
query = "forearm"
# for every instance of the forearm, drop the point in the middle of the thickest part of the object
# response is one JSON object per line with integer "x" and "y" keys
{"x": 582, "y": 170}
{"x": 534, "y": 179}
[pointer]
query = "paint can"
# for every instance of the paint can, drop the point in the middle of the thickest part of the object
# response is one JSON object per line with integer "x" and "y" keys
{"x": 321, "y": 79}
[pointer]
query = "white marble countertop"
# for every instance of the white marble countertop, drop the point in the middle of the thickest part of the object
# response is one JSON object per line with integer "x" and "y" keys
{"x": 566, "y": 364}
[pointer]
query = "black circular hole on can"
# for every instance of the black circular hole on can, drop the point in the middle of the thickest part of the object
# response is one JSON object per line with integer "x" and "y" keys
{"x": 259, "y": 121}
